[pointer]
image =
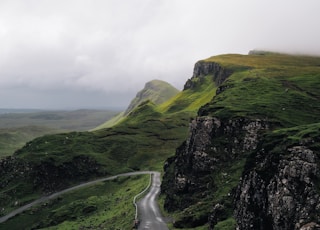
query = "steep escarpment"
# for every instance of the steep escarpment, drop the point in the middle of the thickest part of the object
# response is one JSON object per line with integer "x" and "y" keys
{"x": 232, "y": 171}
{"x": 279, "y": 188}
{"x": 201, "y": 69}
{"x": 209, "y": 161}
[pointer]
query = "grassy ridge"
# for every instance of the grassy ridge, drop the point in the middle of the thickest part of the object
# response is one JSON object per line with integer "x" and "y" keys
{"x": 155, "y": 91}
{"x": 144, "y": 140}
{"x": 273, "y": 87}
{"x": 281, "y": 89}
{"x": 192, "y": 99}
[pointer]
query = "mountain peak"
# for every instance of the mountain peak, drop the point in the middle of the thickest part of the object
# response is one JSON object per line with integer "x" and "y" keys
{"x": 156, "y": 91}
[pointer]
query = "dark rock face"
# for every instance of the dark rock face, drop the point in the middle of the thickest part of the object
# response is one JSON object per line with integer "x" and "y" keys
{"x": 11, "y": 169}
{"x": 50, "y": 177}
{"x": 45, "y": 176}
{"x": 201, "y": 69}
{"x": 280, "y": 191}
{"x": 212, "y": 142}
{"x": 279, "y": 188}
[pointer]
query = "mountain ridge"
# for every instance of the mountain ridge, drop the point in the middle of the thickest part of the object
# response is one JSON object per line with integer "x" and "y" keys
{"x": 226, "y": 142}
{"x": 245, "y": 114}
{"x": 156, "y": 91}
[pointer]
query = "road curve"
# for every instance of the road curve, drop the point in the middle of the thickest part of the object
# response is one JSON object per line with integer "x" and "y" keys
{"x": 54, "y": 195}
{"x": 148, "y": 209}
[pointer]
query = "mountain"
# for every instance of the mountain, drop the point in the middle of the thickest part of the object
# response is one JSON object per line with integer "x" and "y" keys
{"x": 143, "y": 140}
{"x": 156, "y": 91}
{"x": 239, "y": 147}
{"x": 251, "y": 159}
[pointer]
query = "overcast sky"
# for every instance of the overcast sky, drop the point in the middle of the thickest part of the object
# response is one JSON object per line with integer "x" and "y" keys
{"x": 99, "y": 53}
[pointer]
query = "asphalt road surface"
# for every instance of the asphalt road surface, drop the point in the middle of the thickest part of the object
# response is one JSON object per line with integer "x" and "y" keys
{"x": 54, "y": 195}
{"x": 148, "y": 210}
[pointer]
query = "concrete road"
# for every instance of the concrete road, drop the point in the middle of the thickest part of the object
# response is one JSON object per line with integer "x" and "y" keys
{"x": 148, "y": 210}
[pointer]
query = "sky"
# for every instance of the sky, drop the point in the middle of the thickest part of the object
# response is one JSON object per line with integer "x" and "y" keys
{"x": 71, "y": 54}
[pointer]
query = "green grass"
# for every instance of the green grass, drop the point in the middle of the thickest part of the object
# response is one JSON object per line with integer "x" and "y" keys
{"x": 18, "y": 128}
{"x": 155, "y": 92}
{"x": 273, "y": 89}
{"x": 192, "y": 99}
{"x": 228, "y": 224}
{"x": 106, "y": 205}
{"x": 12, "y": 139}
{"x": 111, "y": 122}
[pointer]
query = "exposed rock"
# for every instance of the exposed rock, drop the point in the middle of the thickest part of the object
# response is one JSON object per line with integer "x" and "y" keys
{"x": 43, "y": 176}
{"x": 202, "y": 69}
{"x": 280, "y": 191}
{"x": 212, "y": 142}
{"x": 50, "y": 177}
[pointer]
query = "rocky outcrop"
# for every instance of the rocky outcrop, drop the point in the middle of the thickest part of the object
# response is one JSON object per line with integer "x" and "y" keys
{"x": 279, "y": 187}
{"x": 211, "y": 144}
{"x": 50, "y": 177}
{"x": 12, "y": 169}
{"x": 280, "y": 190}
{"x": 19, "y": 176}
{"x": 202, "y": 69}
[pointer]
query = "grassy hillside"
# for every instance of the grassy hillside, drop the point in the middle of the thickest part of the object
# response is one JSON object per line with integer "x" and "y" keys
{"x": 105, "y": 205}
{"x": 12, "y": 139}
{"x": 142, "y": 140}
{"x": 190, "y": 100}
{"x": 155, "y": 91}
{"x": 20, "y": 126}
{"x": 282, "y": 90}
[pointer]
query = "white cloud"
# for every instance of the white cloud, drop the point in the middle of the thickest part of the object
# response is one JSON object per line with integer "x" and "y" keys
{"x": 109, "y": 46}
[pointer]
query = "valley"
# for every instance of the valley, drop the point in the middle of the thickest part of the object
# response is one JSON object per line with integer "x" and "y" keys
{"x": 237, "y": 147}
{"x": 18, "y": 126}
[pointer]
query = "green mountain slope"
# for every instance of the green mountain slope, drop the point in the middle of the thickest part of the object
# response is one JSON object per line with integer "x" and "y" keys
{"x": 237, "y": 100}
{"x": 147, "y": 136}
{"x": 155, "y": 91}
{"x": 269, "y": 86}
{"x": 262, "y": 114}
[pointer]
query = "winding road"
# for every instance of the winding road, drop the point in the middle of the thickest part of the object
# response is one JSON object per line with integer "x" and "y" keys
{"x": 148, "y": 210}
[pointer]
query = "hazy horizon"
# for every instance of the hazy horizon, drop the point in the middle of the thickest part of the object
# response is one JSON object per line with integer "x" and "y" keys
{"x": 97, "y": 54}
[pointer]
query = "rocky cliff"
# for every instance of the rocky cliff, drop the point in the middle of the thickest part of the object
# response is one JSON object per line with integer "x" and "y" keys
{"x": 279, "y": 188}
{"x": 211, "y": 157}
{"x": 202, "y": 69}
{"x": 235, "y": 171}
